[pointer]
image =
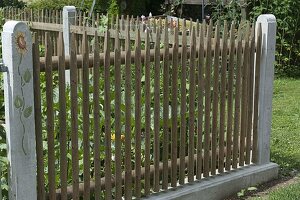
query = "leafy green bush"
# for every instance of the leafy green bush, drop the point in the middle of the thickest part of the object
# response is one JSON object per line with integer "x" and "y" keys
{"x": 52, "y": 4}
{"x": 113, "y": 8}
{"x": 13, "y": 3}
{"x": 288, "y": 33}
{"x": 100, "y": 6}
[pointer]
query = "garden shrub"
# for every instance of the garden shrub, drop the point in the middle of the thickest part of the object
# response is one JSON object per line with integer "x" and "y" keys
{"x": 288, "y": 34}
{"x": 13, "y": 3}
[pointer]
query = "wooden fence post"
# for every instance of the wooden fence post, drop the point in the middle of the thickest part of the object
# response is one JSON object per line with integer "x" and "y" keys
{"x": 268, "y": 26}
{"x": 69, "y": 14}
{"x": 19, "y": 110}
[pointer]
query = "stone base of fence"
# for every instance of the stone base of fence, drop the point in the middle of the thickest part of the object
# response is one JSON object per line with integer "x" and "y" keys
{"x": 223, "y": 185}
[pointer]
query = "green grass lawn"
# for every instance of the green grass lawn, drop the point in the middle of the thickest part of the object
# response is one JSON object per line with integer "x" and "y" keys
{"x": 285, "y": 139}
{"x": 291, "y": 192}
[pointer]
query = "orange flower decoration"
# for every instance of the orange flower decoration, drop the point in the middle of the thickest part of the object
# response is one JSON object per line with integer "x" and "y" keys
{"x": 21, "y": 43}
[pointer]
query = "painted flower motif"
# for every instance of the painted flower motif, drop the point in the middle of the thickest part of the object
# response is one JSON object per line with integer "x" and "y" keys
{"x": 21, "y": 43}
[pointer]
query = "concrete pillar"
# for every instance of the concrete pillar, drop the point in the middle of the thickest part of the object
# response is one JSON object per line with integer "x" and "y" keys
{"x": 69, "y": 14}
{"x": 19, "y": 110}
{"x": 268, "y": 25}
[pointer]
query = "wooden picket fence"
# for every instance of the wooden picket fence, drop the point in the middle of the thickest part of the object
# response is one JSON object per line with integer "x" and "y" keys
{"x": 156, "y": 115}
{"x": 51, "y": 21}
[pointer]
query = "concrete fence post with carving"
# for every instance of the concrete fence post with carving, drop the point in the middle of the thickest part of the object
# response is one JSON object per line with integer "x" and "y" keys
{"x": 19, "y": 110}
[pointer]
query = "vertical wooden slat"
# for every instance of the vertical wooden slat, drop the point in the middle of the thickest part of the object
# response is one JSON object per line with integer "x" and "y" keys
{"x": 32, "y": 16}
{"x": 42, "y": 20}
{"x": 118, "y": 125}
{"x": 74, "y": 117}
{"x": 107, "y": 110}
{"x": 57, "y": 17}
{"x": 256, "y": 92}
{"x": 128, "y": 176}
{"x": 215, "y": 100}
{"x": 192, "y": 105}
{"x": 156, "y": 111}
{"x": 197, "y": 28}
{"x": 132, "y": 23}
{"x": 39, "y": 15}
{"x": 85, "y": 115}
{"x": 137, "y": 95}
{"x": 122, "y": 22}
{"x": 200, "y": 103}
{"x": 165, "y": 107}
{"x": 190, "y": 27}
{"x": 154, "y": 26}
{"x": 250, "y": 96}
{"x": 207, "y": 102}
{"x": 50, "y": 117}
{"x": 230, "y": 98}
{"x": 237, "y": 101}
{"x": 62, "y": 119}
{"x": 84, "y": 18}
{"x": 97, "y": 20}
{"x": 147, "y": 114}
{"x": 17, "y": 10}
{"x": 93, "y": 19}
{"x": 223, "y": 99}
{"x": 80, "y": 19}
{"x": 174, "y": 128}
{"x": 244, "y": 109}
{"x": 183, "y": 105}
{"x": 45, "y": 16}
{"x": 96, "y": 98}
{"x": 38, "y": 120}
{"x": 61, "y": 17}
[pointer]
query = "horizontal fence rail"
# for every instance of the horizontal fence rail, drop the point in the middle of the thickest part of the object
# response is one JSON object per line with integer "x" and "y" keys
{"x": 149, "y": 116}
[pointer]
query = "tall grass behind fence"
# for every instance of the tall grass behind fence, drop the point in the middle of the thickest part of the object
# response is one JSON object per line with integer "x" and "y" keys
{"x": 154, "y": 115}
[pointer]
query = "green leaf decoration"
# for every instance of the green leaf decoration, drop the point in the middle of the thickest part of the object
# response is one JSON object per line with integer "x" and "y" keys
{"x": 27, "y": 76}
{"x": 27, "y": 112}
{"x": 18, "y": 102}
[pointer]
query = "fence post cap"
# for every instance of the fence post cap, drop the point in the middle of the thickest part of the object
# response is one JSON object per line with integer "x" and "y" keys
{"x": 11, "y": 26}
{"x": 269, "y": 18}
{"x": 69, "y": 8}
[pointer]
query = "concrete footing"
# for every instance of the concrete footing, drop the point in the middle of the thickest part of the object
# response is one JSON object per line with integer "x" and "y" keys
{"x": 222, "y": 185}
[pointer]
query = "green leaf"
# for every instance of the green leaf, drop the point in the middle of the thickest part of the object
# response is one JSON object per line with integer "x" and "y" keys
{"x": 252, "y": 188}
{"x": 27, "y": 76}
{"x": 241, "y": 193}
{"x": 27, "y": 112}
{"x": 18, "y": 102}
